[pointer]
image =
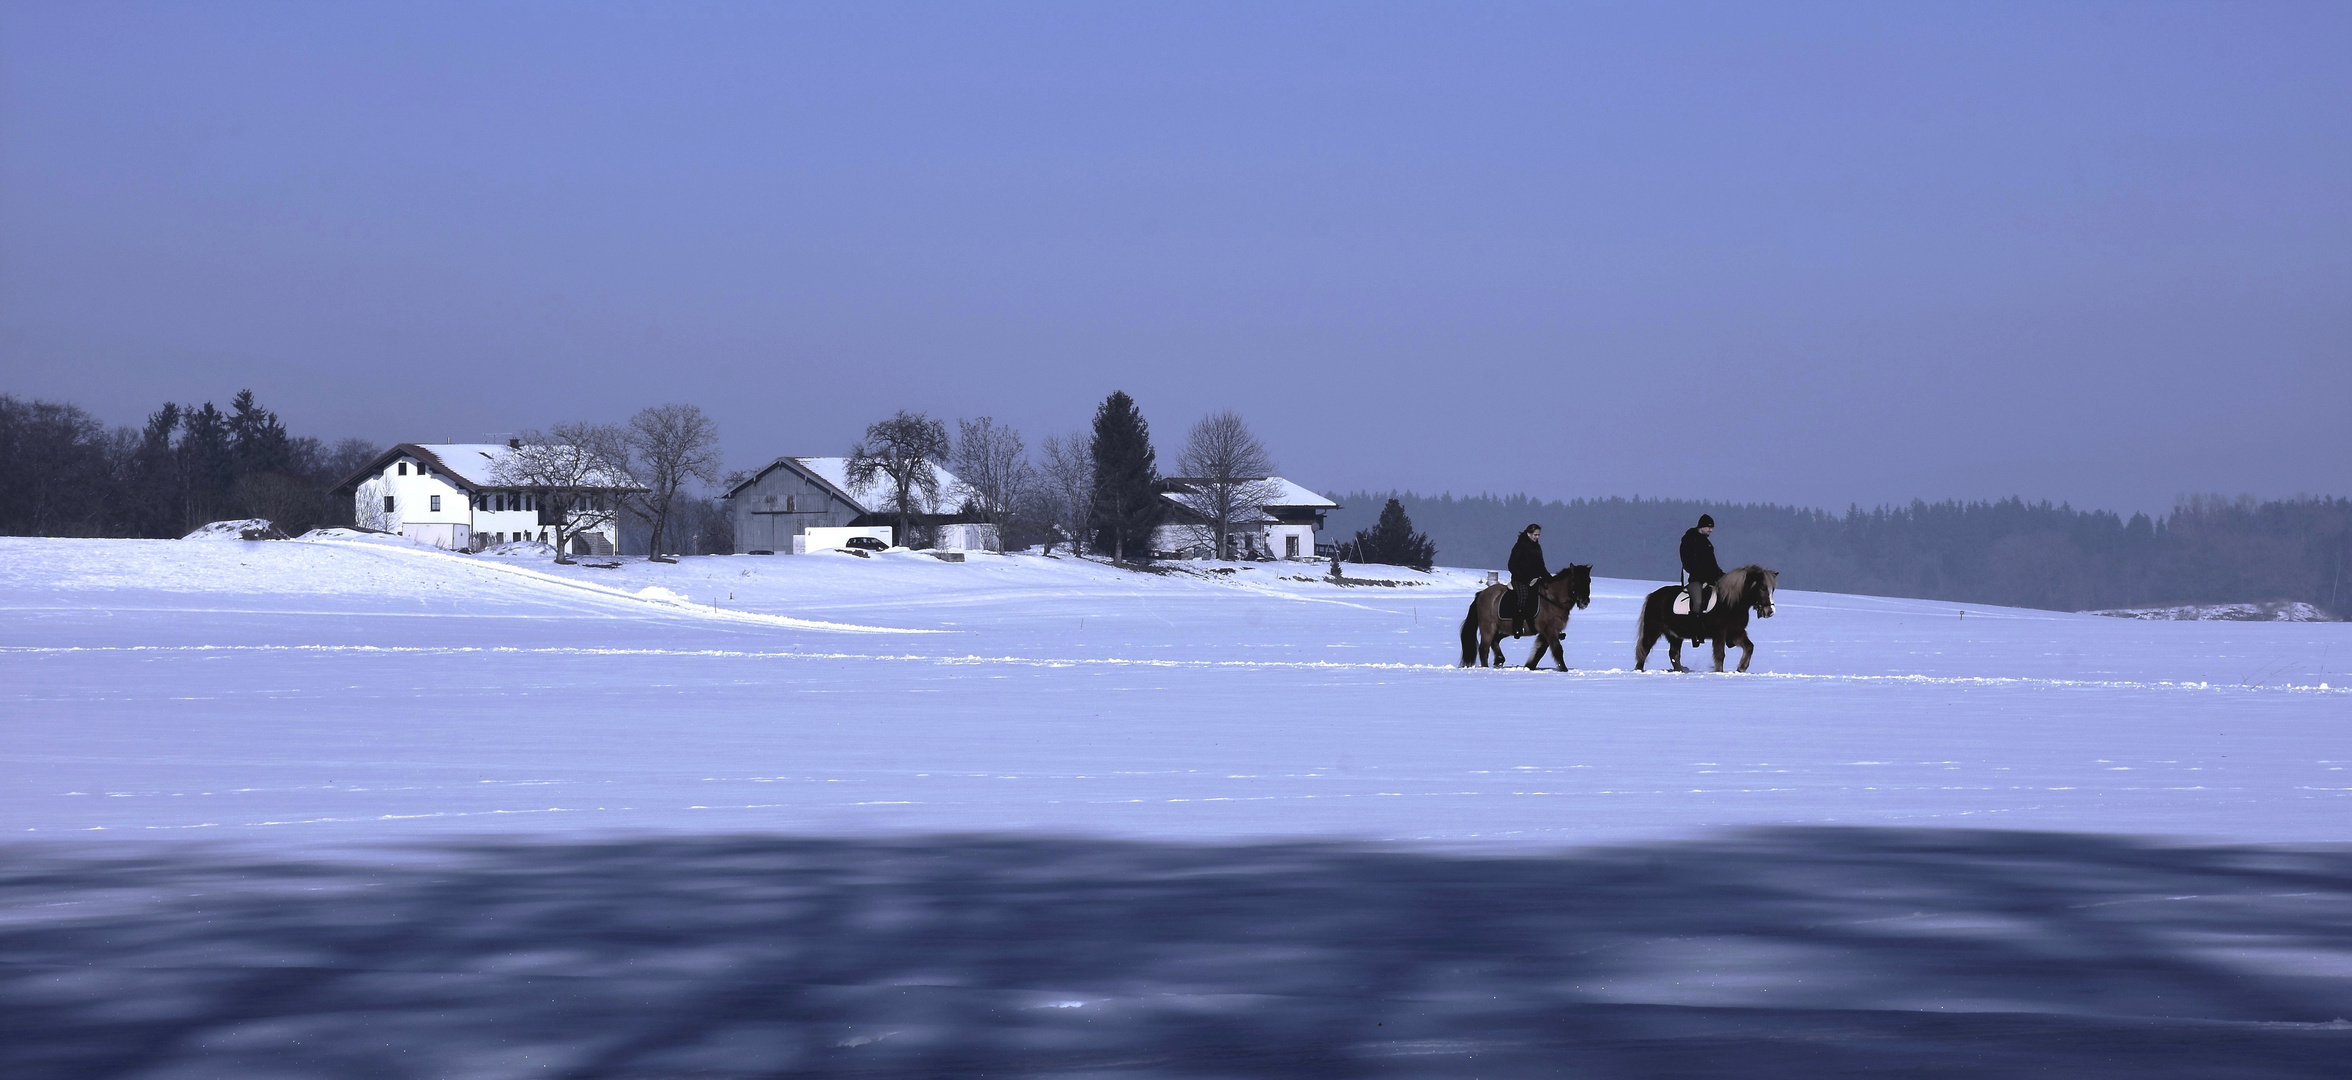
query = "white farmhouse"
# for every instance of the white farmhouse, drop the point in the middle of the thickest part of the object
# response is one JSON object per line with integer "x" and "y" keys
{"x": 1285, "y": 529}
{"x": 452, "y": 495}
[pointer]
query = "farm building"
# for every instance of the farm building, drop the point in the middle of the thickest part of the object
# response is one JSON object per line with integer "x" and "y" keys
{"x": 776, "y": 508}
{"x": 466, "y": 497}
{"x": 1283, "y": 528}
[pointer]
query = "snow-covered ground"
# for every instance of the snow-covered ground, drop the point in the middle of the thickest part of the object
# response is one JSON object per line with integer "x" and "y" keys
{"x": 363, "y": 691}
{"x": 746, "y": 815}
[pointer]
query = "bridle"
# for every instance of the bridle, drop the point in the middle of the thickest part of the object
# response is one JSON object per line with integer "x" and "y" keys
{"x": 1542, "y": 596}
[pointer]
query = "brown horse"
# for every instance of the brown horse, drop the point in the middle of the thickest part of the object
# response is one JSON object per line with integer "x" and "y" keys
{"x": 1484, "y": 627}
{"x": 1746, "y": 589}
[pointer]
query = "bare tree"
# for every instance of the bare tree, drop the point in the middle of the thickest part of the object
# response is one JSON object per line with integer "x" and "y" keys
{"x": 993, "y": 464}
{"x": 671, "y": 444}
{"x": 1223, "y": 478}
{"x": 367, "y": 510}
{"x": 1065, "y": 492}
{"x": 577, "y": 472}
{"x": 905, "y": 450}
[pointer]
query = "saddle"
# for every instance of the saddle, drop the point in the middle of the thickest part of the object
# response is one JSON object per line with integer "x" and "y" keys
{"x": 1508, "y": 610}
{"x": 1682, "y": 601}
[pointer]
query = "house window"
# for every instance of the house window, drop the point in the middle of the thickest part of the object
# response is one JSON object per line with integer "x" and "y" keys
{"x": 387, "y": 504}
{"x": 435, "y": 500}
{"x": 404, "y": 468}
{"x": 788, "y": 504}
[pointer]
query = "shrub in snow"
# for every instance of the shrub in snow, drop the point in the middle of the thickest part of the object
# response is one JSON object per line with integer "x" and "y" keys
{"x": 2274, "y": 611}
{"x": 240, "y": 529}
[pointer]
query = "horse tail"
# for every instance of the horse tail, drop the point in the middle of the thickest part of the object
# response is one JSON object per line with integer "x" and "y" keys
{"x": 1470, "y": 634}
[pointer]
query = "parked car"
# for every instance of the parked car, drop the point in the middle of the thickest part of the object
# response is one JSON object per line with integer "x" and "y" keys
{"x": 865, "y": 543}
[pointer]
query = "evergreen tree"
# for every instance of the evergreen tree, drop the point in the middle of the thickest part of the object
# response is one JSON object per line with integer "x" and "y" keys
{"x": 1126, "y": 479}
{"x": 257, "y": 440}
{"x": 152, "y": 479}
{"x": 208, "y": 465}
{"x": 1392, "y": 541}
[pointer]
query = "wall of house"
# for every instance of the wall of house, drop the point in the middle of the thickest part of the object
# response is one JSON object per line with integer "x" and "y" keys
{"x": 966, "y": 537}
{"x": 519, "y": 520}
{"x": 456, "y": 523}
{"x": 425, "y": 507}
{"x": 1290, "y": 541}
{"x": 776, "y": 507}
{"x": 1196, "y": 541}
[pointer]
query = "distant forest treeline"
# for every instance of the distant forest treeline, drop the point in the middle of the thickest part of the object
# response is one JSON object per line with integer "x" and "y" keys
{"x": 63, "y": 473}
{"x": 2208, "y": 550}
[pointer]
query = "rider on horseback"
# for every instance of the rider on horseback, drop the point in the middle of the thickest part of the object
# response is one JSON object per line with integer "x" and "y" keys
{"x": 1700, "y": 573}
{"x": 1527, "y": 568}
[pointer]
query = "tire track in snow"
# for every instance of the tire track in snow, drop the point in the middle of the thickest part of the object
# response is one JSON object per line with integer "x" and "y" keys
{"x": 667, "y": 602}
{"x": 977, "y": 660}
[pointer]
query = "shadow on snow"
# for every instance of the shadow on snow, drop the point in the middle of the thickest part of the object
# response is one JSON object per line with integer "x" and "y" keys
{"x": 1793, "y": 952}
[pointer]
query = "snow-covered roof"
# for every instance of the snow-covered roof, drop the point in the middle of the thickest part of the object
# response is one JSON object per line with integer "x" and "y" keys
{"x": 1283, "y": 493}
{"x": 472, "y": 465}
{"x": 477, "y": 464}
{"x": 1298, "y": 496}
{"x": 834, "y": 471}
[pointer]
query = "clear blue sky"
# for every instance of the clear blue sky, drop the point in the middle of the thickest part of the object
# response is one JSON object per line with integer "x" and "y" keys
{"x": 1806, "y": 253}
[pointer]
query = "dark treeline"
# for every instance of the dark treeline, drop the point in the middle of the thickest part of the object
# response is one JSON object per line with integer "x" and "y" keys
{"x": 63, "y": 473}
{"x": 697, "y": 525}
{"x": 2208, "y": 550}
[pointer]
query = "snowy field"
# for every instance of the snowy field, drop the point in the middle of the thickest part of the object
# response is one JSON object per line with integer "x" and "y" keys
{"x": 358, "y": 808}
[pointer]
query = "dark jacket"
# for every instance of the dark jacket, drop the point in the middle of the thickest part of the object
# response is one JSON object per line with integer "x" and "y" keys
{"x": 1527, "y": 560}
{"x": 1698, "y": 558}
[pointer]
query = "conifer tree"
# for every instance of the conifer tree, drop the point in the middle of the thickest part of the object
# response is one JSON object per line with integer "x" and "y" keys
{"x": 151, "y": 480}
{"x": 208, "y": 466}
{"x": 257, "y": 439}
{"x": 1392, "y": 541}
{"x": 1126, "y": 479}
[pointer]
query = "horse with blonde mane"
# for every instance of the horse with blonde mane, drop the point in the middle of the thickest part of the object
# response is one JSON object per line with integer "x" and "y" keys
{"x": 1741, "y": 591}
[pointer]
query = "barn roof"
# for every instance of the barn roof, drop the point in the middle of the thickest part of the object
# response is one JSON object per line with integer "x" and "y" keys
{"x": 833, "y": 472}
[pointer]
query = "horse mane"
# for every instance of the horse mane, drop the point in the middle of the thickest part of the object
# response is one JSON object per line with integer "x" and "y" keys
{"x": 1735, "y": 583}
